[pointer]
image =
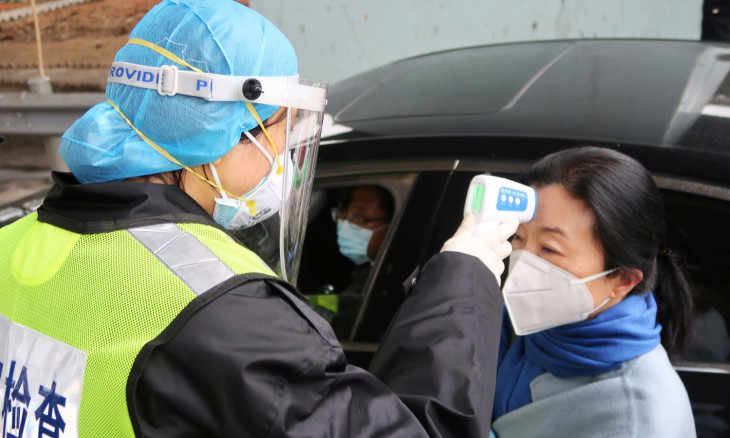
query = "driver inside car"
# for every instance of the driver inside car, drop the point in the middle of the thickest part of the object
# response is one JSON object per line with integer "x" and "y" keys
{"x": 346, "y": 243}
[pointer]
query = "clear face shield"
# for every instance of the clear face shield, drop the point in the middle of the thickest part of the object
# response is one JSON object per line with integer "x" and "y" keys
{"x": 302, "y": 143}
{"x": 304, "y": 101}
{"x": 305, "y": 111}
{"x": 279, "y": 239}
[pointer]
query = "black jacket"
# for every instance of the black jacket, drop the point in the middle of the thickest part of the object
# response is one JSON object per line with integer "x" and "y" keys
{"x": 250, "y": 358}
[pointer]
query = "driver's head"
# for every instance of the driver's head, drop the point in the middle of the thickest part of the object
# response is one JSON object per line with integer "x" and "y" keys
{"x": 363, "y": 223}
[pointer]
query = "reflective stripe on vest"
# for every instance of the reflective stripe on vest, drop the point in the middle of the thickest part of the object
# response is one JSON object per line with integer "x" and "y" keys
{"x": 184, "y": 255}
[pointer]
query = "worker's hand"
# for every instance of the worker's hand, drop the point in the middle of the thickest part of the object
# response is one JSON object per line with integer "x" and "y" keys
{"x": 490, "y": 245}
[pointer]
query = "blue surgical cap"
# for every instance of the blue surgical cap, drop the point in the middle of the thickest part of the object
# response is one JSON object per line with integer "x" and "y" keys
{"x": 216, "y": 36}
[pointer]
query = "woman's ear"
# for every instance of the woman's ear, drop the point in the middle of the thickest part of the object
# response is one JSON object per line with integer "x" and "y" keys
{"x": 625, "y": 282}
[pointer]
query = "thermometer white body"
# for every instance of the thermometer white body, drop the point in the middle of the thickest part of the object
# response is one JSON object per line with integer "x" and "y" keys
{"x": 492, "y": 199}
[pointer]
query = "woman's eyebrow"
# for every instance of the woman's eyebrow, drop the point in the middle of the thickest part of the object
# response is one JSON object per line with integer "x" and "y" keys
{"x": 556, "y": 230}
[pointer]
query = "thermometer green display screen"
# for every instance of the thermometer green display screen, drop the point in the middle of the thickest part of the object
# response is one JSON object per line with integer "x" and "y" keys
{"x": 477, "y": 197}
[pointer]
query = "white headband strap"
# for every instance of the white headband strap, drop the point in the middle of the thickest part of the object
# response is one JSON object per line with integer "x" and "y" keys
{"x": 168, "y": 80}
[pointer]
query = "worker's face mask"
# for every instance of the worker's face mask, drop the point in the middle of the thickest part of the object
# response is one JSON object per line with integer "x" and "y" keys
{"x": 540, "y": 295}
{"x": 264, "y": 201}
{"x": 353, "y": 241}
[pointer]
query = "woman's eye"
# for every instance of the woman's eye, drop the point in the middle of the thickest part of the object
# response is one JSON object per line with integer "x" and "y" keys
{"x": 517, "y": 242}
{"x": 548, "y": 250}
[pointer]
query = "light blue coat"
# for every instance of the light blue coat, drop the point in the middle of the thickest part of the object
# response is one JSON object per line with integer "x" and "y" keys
{"x": 643, "y": 398}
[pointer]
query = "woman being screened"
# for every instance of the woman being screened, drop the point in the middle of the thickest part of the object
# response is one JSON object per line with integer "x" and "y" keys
{"x": 599, "y": 304}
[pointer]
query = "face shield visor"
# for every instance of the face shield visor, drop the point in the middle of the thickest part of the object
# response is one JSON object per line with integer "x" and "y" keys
{"x": 303, "y": 134}
{"x": 304, "y": 102}
{"x": 297, "y": 163}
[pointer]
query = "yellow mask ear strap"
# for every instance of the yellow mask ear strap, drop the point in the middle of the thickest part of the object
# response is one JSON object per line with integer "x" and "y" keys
{"x": 164, "y": 52}
{"x": 252, "y": 110}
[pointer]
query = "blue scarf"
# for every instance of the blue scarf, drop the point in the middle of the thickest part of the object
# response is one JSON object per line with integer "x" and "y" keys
{"x": 620, "y": 333}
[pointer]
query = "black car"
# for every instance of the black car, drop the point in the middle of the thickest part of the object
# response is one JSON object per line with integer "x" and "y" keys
{"x": 423, "y": 127}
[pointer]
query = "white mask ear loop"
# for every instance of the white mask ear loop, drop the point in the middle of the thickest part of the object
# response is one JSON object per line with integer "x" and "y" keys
{"x": 593, "y": 277}
{"x": 258, "y": 145}
{"x": 601, "y": 305}
{"x": 217, "y": 180}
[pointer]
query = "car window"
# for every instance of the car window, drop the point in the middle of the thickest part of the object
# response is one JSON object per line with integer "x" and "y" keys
{"x": 337, "y": 286}
{"x": 334, "y": 283}
{"x": 430, "y": 216}
{"x": 697, "y": 230}
{"x": 406, "y": 251}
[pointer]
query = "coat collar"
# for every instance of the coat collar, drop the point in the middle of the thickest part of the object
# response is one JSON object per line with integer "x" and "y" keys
{"x": 116, "y": 205}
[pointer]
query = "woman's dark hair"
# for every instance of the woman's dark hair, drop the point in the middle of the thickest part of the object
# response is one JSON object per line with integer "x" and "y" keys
{"x": 630, "y": 226}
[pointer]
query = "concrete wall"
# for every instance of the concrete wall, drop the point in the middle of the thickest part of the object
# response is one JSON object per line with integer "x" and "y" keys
{"x": 338, "y": 38}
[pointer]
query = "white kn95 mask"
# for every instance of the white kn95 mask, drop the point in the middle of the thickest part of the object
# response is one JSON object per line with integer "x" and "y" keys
{"x": 540, "y": 295}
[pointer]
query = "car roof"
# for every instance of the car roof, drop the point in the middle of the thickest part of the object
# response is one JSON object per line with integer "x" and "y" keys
{"x": 664, "y": 93}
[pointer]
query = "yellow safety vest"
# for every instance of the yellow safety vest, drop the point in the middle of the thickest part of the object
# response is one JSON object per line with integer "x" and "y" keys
{"x": 76, "y": 309}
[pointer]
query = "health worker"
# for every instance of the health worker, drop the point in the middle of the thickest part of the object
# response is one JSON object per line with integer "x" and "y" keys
{"x": 128, "y": 309}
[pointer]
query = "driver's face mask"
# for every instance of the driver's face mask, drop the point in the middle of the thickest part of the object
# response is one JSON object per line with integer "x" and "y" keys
{"x": 259, "y": 204}
{"x": 540, "y": 295}
{"x": 353, "y": 240}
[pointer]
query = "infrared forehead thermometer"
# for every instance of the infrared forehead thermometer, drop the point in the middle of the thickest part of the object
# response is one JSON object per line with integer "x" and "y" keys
{"x": 492, "y": 199}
